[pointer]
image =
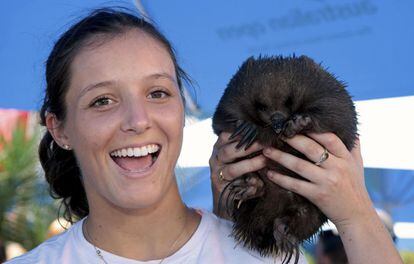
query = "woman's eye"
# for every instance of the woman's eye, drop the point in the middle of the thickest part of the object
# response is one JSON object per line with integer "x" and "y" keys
{"x": 101, "y": 102}
{"x": 158, "y": 94}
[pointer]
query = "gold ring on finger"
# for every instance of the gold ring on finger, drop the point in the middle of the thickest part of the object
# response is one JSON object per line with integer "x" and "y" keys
{"x": 324, "y": 157}
{"x": 220, "y": 176}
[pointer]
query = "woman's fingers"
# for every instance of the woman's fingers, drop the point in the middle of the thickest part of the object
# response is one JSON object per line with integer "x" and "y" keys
{"x": 222, "y": 138}
{"x": 225, "y": 150}
{"x": 338, "y": 179}
{"x": 310, "y": 148}
{"x": 237, "y": 169}
{"x": 223, "y": 167}
{"x": 307, "y": 189}
{"x": 332, "y": 143}
{"x": 356, "y": 152}
{"x": 228, "y": 153}
{"x": 302, "y": 167}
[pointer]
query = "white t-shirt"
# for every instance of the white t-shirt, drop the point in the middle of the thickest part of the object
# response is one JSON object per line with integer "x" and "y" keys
{"x": 211, "y": 243}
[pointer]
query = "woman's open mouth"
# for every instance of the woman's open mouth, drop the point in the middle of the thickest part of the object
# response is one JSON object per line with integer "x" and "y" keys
{"x": 136, "y": 159}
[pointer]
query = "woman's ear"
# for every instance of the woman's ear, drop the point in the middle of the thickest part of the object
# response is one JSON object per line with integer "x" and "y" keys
{"x": 56, "y": 129}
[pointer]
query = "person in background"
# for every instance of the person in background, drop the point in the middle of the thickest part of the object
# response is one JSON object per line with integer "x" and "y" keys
{"x": 329, "y": 249}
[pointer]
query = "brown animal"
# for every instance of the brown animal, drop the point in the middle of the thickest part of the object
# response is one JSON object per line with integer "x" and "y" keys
{"x": 269, "y": 98}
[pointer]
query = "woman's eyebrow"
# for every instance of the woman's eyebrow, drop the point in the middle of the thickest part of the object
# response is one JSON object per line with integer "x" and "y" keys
{"x": 162, "y": 75}
{"x": 94, "y": 86}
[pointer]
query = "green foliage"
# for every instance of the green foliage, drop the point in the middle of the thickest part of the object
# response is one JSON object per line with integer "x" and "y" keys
{"x": 17, "y": 170}
{"x": 407, "y": 256}
{"x": 25, "y": 207}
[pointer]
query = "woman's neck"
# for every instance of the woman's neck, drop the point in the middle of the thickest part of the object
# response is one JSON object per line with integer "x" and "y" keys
{"x": 142, "y": 234}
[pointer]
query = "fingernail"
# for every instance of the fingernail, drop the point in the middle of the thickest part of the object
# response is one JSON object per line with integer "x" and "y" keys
{"x": 285, "y": 139}
{"x": 267, "y": 151}
{"x": 270, "y": 174}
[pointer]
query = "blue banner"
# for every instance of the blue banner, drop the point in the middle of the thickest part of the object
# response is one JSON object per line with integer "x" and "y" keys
{"x": 366, "y": 43}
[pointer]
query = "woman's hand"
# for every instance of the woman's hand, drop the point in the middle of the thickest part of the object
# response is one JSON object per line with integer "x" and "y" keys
{"x": 336, "y": 186}
{"x": 222, "y": 161}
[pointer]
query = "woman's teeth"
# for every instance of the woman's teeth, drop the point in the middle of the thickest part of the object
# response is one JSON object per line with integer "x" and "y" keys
{"x": 135, "y": 152}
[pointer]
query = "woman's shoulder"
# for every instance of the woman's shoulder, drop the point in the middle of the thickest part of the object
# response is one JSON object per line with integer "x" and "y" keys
{"x": 222, "y": 245}
{"x": 50, "y": 250}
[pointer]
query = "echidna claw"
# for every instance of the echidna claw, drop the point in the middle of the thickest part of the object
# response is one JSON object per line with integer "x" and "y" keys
{"x": 239, "y": 130}
{"x": 239, "y": 203}
{"x": 248, "y": 133}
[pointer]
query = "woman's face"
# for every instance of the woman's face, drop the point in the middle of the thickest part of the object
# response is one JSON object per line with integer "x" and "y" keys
{"x": 125, "y": 120}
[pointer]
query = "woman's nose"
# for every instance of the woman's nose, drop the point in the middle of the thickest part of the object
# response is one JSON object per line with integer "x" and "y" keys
{"x": 136, "y": 118}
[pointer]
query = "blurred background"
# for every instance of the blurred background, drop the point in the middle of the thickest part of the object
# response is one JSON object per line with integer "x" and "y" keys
{"x": 366, "y": 43}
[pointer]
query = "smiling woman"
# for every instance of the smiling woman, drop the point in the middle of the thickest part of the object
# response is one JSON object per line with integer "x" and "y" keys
{"x": 114, "y": 113}
{"x": 131, "y": 106}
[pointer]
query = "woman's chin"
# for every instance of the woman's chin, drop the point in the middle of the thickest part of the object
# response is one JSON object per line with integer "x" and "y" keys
{"x": 140, "y": 199}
